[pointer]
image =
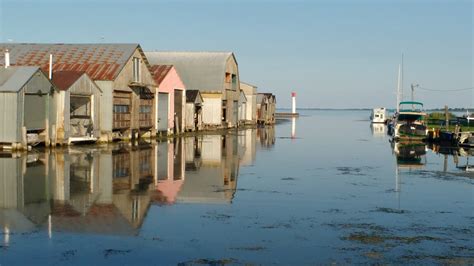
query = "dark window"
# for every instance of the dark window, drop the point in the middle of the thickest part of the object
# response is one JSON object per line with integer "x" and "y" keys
{"x": 119, "y": 108}
{"x": 145, "y": 109}
{"x": 234, "y": 82}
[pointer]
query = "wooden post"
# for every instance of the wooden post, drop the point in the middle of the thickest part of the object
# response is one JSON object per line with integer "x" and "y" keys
{"x": 24, "y": 140}
{"x": 446, "y": 114}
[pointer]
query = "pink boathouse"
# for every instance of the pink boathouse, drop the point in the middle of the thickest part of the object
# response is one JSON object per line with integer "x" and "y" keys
{"x": 170, "y": 99}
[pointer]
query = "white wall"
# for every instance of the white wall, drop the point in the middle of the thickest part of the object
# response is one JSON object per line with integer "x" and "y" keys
{"x": 212, "y": 111}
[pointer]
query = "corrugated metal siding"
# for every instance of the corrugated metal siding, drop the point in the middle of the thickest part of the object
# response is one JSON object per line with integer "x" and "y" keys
{"x": 212, "y": 111}
{"x": 9, "y": 120}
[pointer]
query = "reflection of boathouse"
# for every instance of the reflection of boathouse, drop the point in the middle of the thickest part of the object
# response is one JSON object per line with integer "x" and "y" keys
{"x": 266, "y": 135}
{"x": 214, "y": 179}
{"x": 24, "y": 199}
{"x": 103, "y": 191}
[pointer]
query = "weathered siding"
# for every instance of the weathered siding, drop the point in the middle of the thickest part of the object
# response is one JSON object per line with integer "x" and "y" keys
{"x": 231, "y": 90}
{"x": 106, "y": 109}
{"x": 29, "y": 107}
{"x": 123, "y": 80}
{"x": 84, "y": 86}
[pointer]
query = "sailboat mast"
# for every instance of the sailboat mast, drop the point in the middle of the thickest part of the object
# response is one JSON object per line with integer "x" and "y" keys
{"x": 398, "y": 89}
{"x": 401, "y": 82}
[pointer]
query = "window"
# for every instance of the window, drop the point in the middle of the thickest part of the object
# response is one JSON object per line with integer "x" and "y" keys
{"x": 80, "y": 106}
{"x": 145, "y": 109}
{"x": 136, "y": 69}
{"x": 234, "y": 82}
{"x": 119, "y": 108}
{"x": 228, "y": 77}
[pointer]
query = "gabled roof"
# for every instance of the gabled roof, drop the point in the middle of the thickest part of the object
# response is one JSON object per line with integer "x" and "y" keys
{"x": 12, "y": 79}
{"x": 99, "y": 61}
{"x": 159, "y": 72}
{"x": 198, "y": 70}
{"x": 64, "y": 79}
{"x": 268, "y": 97}
{"x": 193, "y": 96}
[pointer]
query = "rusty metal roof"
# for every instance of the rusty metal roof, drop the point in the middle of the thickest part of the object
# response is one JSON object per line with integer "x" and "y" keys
{"x": 64, "y": 79}
{"x": 99, "y": 61}
{"x": 159, "y": 72}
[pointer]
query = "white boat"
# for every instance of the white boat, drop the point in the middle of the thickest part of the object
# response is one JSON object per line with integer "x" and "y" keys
{"x": 379, "y": 115}
{"x": 409, "y": 122}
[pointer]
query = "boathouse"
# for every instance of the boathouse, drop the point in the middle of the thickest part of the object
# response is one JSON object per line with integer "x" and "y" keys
{"x": 215, "y": 75}
{"x": 193, "y": 114}
{"x": 251, "y": 105}
{"x": 27, "y": 111}
{"x": 78, "y": 107}
{"x": 266, "y": 105}
{"x": 170, "y": 99}
{"x": 121, "y": 71}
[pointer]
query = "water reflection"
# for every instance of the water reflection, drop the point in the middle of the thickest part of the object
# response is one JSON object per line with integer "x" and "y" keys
{"x": 109, "y": 189}
{"x": 410, "y": 155}
{"x": 378, "y": 130}
{"x": 266, "y": 135}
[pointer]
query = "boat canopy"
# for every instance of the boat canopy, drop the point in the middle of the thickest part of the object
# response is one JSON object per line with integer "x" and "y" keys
{"x": 411, "y": 106}
{"x": 411, "y": 102}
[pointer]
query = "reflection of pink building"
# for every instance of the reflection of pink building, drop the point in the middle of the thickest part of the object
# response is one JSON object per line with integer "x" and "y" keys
{"x": 169, "y": 189}
{"x": 170, "y": 170}
{"x": 170, "y": 98}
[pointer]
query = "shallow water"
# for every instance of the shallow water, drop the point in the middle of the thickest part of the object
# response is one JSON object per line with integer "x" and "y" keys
{"x": 333, "y": 190}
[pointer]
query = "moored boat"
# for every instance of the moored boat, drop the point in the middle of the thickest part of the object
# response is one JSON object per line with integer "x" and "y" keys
{"x": 378, "y": 115}
{"x": 409, "y": 122}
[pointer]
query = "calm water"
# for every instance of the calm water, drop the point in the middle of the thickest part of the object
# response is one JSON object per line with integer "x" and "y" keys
{"x": 334, "y": 191}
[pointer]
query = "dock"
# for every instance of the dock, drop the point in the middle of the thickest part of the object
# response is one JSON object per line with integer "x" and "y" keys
{"x": 286, "y": 115}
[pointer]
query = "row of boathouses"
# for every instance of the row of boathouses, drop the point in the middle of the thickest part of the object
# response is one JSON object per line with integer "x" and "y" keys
{"x": 58, "y": 94}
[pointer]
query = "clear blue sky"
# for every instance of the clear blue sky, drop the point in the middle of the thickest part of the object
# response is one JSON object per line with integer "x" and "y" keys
{"x": 335, "y": 54}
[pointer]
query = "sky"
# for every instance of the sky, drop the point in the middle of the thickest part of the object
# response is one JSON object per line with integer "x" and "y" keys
{"x": 333, "y": 54}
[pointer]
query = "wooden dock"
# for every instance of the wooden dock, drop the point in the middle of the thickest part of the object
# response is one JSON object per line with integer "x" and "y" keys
{"x": 286, "y": 115}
